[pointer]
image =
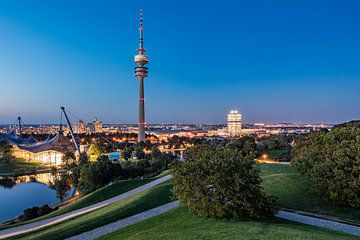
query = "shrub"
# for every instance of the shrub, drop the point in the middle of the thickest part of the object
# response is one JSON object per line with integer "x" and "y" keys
{"x": 35, "y": 212}
{"x": 221, "y": 182}
{"x": 45, "y": 209}
{"x": 29, "y": 214}
{"x": 331, "y": 160}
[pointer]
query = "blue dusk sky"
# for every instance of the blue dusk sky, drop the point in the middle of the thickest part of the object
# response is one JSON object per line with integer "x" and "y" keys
{"x": 275, "y": 61}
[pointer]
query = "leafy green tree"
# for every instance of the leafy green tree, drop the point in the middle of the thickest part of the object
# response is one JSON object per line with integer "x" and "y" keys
{"x": 95, "y": 150}
{"x": 155, "y": 152}
{"x": 97, "y": 174}
{"x": 246, "y": 146}
{"x": 331, "y": 160}
{"x": 221, "y": 182}
{"x": 61, "y": 183}
{"x": 5, "y": 153}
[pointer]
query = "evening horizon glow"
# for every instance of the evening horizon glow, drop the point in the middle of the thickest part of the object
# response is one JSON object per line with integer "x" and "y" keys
{"x": 274, "y": 62}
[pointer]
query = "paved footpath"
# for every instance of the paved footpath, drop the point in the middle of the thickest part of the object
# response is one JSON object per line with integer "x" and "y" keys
{"x": 54, "y": 220}
{"x": 100, "y": 231}
{"x": 318, "y": 222}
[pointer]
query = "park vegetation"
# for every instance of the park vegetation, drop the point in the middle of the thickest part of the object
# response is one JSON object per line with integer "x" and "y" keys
{"x": 222, "y": 182}
{"x": 5, "y": 153}
{"x": 331, "y": 161}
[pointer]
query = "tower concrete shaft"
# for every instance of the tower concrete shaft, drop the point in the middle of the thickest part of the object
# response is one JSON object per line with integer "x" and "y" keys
{"x": 141, "y": 72}
{"x": 141, "y": 124}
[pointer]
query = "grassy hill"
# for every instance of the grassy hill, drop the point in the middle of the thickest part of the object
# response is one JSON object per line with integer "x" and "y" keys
{"x": 140, "y": 202}
{"x": 181, "y": 225}
{"x": 291, "y": 190}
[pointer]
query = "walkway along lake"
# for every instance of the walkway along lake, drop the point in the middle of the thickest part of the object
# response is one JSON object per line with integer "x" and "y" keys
{"x": 20, "y": 193}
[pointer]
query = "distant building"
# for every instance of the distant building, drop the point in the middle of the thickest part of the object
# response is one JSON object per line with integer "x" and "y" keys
{"x": 90, "y": 129}
{"x": 80, "y": 127}
{"x": 98, "y": 126}
{"x": 49, "y": 152}
{"x": 234, "y": 123}
{"x": 95, "y": 127}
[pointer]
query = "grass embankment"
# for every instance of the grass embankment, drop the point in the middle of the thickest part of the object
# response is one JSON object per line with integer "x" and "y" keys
{"x": 21, "y": 166}
{"x": 99, "y": 195}
{"x": 140, "y": 202}
{"x": 291, "y": 190}
{"x": 179, "y": 224}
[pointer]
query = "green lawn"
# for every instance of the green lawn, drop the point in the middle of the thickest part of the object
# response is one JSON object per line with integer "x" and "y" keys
{"x": 140, "y": 202}
{"x": 276, "y": 153}
{"x": 291, "y": 190}
{"x": 180, "y": 225}
{"x": 20, "y": 166}
{"x": 96, "y": 196}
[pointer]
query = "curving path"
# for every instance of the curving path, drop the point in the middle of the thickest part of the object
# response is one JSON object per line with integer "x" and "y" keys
{"x": 100, "y": 231}
{"x": 61, "y": 218}
{"x": 318, "y": 222}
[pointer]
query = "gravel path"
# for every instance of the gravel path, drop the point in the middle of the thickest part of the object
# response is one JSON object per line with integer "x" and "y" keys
{"x": 318, "y": 222}
{"x": 54, "y": 220}
{"x": 98, "y": 232}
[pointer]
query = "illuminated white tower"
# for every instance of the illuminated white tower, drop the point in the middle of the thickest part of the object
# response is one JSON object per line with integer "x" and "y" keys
{"x": 141, "y": 72}
{"x": 234, "y": 123}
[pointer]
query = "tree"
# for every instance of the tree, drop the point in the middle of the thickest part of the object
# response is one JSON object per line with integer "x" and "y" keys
{"x": 155, "y": 152}
{"x": 246, "y": 146}
{"x": 331, "y": 160}
{"x": 95, "y": 150}
{"x": 221, "y": 182}
{"x": 61, "y": 183}
{"x": 5, "y": 153}
{"x": 97, "y": 174}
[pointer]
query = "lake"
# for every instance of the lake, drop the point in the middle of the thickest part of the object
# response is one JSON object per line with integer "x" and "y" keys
{"x": 20, "y": 193}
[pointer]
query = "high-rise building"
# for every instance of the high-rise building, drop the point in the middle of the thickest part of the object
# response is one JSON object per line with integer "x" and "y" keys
{"x": 80, "y": 127}
{"x": 90, "y": 129}
{"x": 98, "y": 126}
{"x": 141, "y": 72}
{"x": 234, "y": 123}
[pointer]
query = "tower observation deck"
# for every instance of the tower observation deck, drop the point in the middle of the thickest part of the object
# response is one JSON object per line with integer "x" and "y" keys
{"x": 141, "y": 71}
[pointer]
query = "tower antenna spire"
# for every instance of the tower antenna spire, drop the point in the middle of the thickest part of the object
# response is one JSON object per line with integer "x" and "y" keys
{"x": 141, "y": 49}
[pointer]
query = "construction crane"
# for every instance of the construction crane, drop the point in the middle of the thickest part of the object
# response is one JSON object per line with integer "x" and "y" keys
{"x": 71, "y": 130}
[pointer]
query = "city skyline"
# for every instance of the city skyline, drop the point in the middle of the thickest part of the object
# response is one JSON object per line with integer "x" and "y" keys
{"x": 81, "y": 57}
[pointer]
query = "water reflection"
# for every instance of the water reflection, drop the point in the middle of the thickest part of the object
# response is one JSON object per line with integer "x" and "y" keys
{"x": 9, "y": 182}
{"x": 19, "y": 193}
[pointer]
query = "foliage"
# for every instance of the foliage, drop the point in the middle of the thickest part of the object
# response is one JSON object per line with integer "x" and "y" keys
{"x": 35, "y": 212}
{"x": 353, "y": 123}
{"x": 97, "y": 174}
{"x": 246, "y": 146}
{"x": 221, "y": 182}
{"x": 331, "y": 160}
{"x": 61, "y": 183}
{"x": 45, "y": 209}
{"x": 5, "y": 153}
{"x": 95, "y": 149}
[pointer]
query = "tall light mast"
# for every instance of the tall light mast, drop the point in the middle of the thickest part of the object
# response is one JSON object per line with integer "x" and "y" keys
{"x": 71, "y": 130}
{"x": 141, "y": 72}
